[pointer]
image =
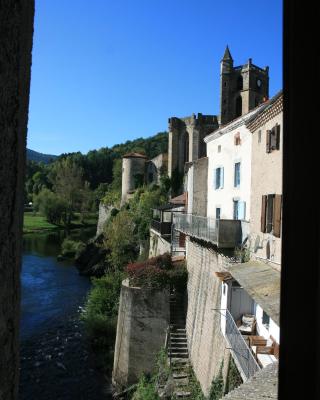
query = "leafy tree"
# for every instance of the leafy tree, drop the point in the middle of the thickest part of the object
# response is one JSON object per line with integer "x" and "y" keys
{"x": 51, "y": 206}
{"x": 69, "y": 186}
{"x": 121, "y": 240}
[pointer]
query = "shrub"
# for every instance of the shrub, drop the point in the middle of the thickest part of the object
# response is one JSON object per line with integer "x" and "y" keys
{"x": 158, "y": 272}
{"x": 71, "y": 248}
{"x": 101, "y": 306}
{"x": 217, "y": 386}
{"x": 146, "y": 390}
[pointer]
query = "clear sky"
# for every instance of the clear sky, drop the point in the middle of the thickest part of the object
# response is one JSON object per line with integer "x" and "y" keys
{"x": 107, "y": 71}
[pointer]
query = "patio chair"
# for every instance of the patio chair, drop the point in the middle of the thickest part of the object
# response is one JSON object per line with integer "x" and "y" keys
{"x": 247, "y": 324}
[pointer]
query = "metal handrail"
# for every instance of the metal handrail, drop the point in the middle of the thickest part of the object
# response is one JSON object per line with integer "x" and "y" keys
{"x": 205, "y": 228}
{"x": 240, "y": 350}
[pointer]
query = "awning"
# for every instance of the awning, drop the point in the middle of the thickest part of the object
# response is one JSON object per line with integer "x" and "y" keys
{"x": 262, "y": 283}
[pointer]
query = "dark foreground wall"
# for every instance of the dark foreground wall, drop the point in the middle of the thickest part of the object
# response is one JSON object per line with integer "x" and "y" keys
{"x": 16, "y": 31}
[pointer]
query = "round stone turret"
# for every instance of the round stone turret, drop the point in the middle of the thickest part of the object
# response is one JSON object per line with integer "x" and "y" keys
{"x": 133, "y": 174}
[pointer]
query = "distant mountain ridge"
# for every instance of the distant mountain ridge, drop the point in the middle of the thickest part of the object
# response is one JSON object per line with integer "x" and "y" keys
{"x": 38, "y": 157}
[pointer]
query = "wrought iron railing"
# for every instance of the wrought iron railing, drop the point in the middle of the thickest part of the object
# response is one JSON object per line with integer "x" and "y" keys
{"x": 221, "y": 232}
{"x": 201, "y": 227}
{"x": 164, "y": 228}
{"x": 239, "y": 348}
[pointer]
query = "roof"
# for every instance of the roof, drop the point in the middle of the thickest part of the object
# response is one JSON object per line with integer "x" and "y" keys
{"x": 179, "y": 199}
{"x": 234, "y": 124}
{"x": 273, "y": 107}
{"x": 262, "y": 283}
{"x": 134, "y": 155}
{"x": 167, "y": 206}
{"x": 262, "y": 386}
{"x": 227, "y": 54}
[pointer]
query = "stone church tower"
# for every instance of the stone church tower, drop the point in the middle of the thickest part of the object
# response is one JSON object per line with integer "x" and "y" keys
{"x": 242, "y": 88}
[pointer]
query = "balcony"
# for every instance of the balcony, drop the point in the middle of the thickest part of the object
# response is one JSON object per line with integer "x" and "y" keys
{"x": 224, "y": 233}
{"x": 241, "y": 353}
{"x": 164, "y": 228}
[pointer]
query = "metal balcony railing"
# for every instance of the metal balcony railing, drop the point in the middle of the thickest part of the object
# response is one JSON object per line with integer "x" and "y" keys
{"x": 164, "y": 228}
{"x": 239, "y": 348}
{"x": 221, "y": 232}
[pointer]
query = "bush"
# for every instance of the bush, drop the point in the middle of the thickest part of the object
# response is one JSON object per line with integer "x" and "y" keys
{"x": 51, "y": 206}
{"x": 146, "y": 390}
{"x": 71, "y": 248}
{"x": 158, "y": 272}
{"x": 217, "y": 386}
{"x": 101, "y": 309}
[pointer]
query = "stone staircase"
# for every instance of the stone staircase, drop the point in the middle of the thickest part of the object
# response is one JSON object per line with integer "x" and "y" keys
{"x": 178, "y": 348}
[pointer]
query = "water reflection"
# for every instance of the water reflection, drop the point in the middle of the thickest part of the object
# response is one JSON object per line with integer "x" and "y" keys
{"x": 51, "y": 290}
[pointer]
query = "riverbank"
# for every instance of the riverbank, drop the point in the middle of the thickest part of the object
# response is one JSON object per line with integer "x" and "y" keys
{"x": 59, "y": 365}
{"x": 37, "y": 223}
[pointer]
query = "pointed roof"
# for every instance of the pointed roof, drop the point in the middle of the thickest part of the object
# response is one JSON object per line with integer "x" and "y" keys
{"x": 227, "y": 54}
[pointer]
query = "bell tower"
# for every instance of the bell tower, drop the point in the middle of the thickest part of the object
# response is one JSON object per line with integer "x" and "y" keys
{"x": 242, "y": 88}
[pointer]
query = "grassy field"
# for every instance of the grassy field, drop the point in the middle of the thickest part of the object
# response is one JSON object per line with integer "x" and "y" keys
{"x": 35, "y": 222}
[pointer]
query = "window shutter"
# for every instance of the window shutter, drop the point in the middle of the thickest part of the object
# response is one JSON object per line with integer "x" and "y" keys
{"x": 222, "y": 177}
{"x": 277, "y": 137}
{"x": 277, "y": 215}
{"x": 214, "y": 178}
{"x": 242, "y": 210}
{"x": 268, "y": 140}
{"x": 263, "y": 213}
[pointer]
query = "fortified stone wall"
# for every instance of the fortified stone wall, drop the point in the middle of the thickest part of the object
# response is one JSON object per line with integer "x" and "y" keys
{"x": 141, "y": 331}
{"x": 104, "y": 215}
{"x": 207, "y": 346}
{"x": 158, "y": 245}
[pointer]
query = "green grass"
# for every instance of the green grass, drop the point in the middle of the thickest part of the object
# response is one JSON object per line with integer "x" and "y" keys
{"x": 35, "y": 222}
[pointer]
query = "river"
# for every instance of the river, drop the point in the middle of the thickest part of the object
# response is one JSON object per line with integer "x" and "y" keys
{"x": 56, "y": 362}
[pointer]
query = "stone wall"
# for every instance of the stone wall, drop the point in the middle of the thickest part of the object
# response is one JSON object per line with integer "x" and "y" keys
{"x": 16, "y": 31}
{"x": 158, "y": 245}
{"x": 104, "y": 215}
{"x": 141, "y": 331}
{"x": 207, "y": 346}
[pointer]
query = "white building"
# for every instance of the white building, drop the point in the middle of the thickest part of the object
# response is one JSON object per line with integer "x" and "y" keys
{"x": 229, "y": 169}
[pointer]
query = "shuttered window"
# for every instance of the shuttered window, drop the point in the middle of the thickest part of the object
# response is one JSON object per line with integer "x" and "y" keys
{"x": 218, "y": 178}
{"x": 277, "y": 215}
{"x": 263, "y": 213}
{"x": 273, "y": 139}
{"x": 271, "y": 214}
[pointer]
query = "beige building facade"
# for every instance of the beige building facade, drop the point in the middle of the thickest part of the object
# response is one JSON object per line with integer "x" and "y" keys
{"x": 266, "y": 182}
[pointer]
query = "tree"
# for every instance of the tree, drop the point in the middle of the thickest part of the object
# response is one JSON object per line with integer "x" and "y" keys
{"x": 121, "y": 240}
{"x": 51, "y": 206}
{"x": 69, "y": 186}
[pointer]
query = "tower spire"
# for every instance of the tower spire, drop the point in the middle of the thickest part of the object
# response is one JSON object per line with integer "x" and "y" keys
{"x": 227, "y": 55}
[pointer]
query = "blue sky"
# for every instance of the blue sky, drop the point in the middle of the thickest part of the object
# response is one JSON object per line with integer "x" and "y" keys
{"x": 107, "y": 71}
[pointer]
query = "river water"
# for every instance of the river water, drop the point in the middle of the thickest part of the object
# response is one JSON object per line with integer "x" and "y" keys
{"x": 56, "y": 362}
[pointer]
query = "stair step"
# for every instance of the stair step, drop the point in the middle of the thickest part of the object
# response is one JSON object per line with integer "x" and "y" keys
{"x": 175, "y": 345}
{"x": 179, "y": 355}
{"x": 180, "y": 375}
{"x": 181, "y": 382}
{"x": 182, "y": 394}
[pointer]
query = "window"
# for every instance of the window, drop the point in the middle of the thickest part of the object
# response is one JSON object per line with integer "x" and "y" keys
{"x": 238, "y": 106}
{"x": 237, "y": 174}
{"x": 237, "y": 139}
{"x": 273, "y": 139}
{"x": 219, "y": 148}
{"x": 271, "y": 214}
{"x": 259, "y": 136}
{"x": 218, "y": 212}
{"x": 265, "y": 320}
{"x": 240, "y": 83}
{"x": 218, "y": 177}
